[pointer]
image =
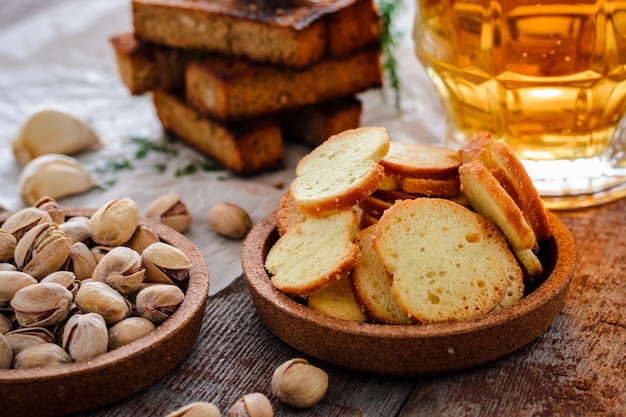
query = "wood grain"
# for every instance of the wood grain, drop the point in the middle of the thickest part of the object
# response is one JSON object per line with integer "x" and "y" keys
{"x": 577, "y": 368}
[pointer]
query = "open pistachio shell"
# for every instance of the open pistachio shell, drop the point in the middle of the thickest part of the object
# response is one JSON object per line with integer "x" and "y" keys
{"x": 10, "y": 283}
{"x": 50, "y": 206}
{"x": 165, "y": 263}
{"x": 81, "y": 261}
{"x": 25, "y": 337}
{"x": 42, "y": 355}
{"x": 85, "y": 336}
{"x": 170, "y": 210}
{"x": 121, "y": 269}
{"x": 25, "y": 219}
{"x": 43, "y": 250}
{"x": 158, "y": 302}
{"x": 7, "y": 246}
{"x": 42, "y": 304}
{"x": 114, "y": 223}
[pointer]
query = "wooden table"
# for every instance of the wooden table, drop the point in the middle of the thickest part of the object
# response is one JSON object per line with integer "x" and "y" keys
{"x": 577, "y": 368}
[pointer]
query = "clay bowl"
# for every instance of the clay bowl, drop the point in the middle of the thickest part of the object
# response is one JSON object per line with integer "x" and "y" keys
{"x": 410, "y": 350}
{"x": 119, "y": 373}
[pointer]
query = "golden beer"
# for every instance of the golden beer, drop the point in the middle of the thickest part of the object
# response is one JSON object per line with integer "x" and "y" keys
{"x": 548, "y": 77}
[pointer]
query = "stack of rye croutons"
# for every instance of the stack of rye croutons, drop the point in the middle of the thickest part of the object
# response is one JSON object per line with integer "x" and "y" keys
{"x": 232, "y": 78}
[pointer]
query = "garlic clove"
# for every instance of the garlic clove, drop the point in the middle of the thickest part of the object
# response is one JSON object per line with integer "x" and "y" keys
{"x": 52, "y": 130}
{"x": 53, "y": 175}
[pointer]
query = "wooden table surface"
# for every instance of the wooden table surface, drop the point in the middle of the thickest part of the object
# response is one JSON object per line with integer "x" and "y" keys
{"x": 577, "y": 368}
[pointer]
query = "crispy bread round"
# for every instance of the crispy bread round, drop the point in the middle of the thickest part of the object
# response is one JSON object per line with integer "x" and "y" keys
{"x": 416, "y": 160}
{"x": 288, "y": 214}
{"x": 341, "y": 171}
{"x": 442, "y": 270}
{"x": 371, "y": 285}
{"x": 314, "y": 253}
{"x": 337, "y": 300}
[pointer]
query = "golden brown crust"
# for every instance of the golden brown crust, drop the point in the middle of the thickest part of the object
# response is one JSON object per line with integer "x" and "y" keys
{"x": 244, "y": 148}
{"x": 231, "y": 89}
{"x": 295, "y": 34}
{"x": 430, "y": 187}
{"x": 416, "y": 160}
{"x": 288, "y": 214}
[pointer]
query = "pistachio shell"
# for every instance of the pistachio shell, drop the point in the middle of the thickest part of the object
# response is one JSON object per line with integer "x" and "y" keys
{"x": 170, "y": 210}
{"x": 85, "y": 336}
{"x": 10, "y": 283}
{"x": 197, "y": 409}
{"x": 98, "y": 297}
{"x": 81, "y": 261}
{"x": 53, "y": 175}
{"x": 41, "y": 355}
{"x": 25, "y": 219}
{"x": 115, "y": 222}
{"x": 7, "y": 266}
{"x": 42, "y": 250}
{"x": 25, "y": 337}
{"x": 165, "y": 263}
{"x": 99, "y": 251}
{"x": 142, "y": 238}
{"x": 121, "y": 269}
{"x": 46, "y": 304}
{"x": 254, "y": 404}
{"x": 129, "y": 330}
{"x": 7, "y": 246}
{"x": 5, "y": 324}
{"x": 157, "y": 303}
{"x": 229, "y": 220}
{"x": 299, "y": 384}
{"x": 6, "y": 353}
{"x": 50, "y": 206}
{"x": 77, "y": 231}
{"x": 65, "y": 278}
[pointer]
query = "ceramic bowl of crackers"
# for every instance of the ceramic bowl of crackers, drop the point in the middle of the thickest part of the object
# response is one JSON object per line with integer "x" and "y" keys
{"x": 77, "y": 367}
{"x": 392, "y": 281}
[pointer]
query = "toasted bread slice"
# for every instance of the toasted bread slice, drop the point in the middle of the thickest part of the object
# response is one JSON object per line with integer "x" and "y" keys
{"x": 341, "y": 171}
{"x": 371, "y": 285}
{"x": 337, "y": 300}
{"x": 288, "y": 214}
{"x": 374, "y": 206}
{"x": 314, "y": 254}
{"x": 432, "y": 187}
{"x": 244, "y": 148}
{"x": 295, "y": 34}
{"x": 506, "y": 167}
{"x": 442, "y": 270}
{"x": 230, "y": 89}
{"x": 489, "y": 198}
{"x": 416, "y": 160}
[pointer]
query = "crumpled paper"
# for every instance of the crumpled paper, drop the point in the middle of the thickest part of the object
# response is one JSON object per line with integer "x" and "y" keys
{"x": 59, "y": 53}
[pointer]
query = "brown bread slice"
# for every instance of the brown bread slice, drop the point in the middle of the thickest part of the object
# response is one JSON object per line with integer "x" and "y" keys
{"x": 243, "y": 148}
{"x": 314, "y": 253}
{"x": 229, "y": 89}
{"x": 442, "y": 270}
{"x": 416, "y": 160}
{"x": 294, "y": 34}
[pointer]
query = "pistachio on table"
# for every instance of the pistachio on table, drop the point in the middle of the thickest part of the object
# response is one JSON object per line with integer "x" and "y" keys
{"x": 299, "y": 384}
{"x": 170, "y": 210}
{"x": 197, "y": 409}
{"x": 229, "y": 220}
{"x": 255, "y": 404}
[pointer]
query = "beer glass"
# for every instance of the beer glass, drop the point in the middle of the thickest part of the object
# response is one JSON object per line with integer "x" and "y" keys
{"x": 548, "y": 77}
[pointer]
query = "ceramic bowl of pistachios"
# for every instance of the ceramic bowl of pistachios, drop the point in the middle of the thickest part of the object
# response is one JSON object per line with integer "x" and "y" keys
{"x": 95, "y": 305}
{"x": 404, "y": 348}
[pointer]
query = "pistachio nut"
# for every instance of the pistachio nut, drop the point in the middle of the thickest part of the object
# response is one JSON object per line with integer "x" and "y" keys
{"x": 85, "y": 336}
{"x": 43, "y": 304}
{"x": 170, "y": 210}
{"x": 77, "y": 231}
{"x": 229, "y": 220}
{"x": 25, "y": 337}
{"x": 197, "y": 409}
{"x": 129, "y": 330}
{"x": 81, "y": 261}
{"x": 99, "y": 251}
{"x": 98, "y": 297}
{"x": 50, "y": 206}
{"x": 5, "y": 324}
{"x": 158, "y": 302}
{"x": 10, "y": 283}
{"x": 53, "y": 175}
{"x": 64, "y": 278}
{"x": 41, "y": 355}
{"x": 25, "y": 219}
{"x": 52, "y": 130}
{"x": 42, "y": 250}
{"x": 299, "y": 384}
{"x": 255, "y": 404}
{"x": 6, "y": 353}
{"x": 165, "y": 263}
{"x": 121, "y": 269}
{"x": 114, "y": 222}
{"x": 7, "y": 246}
{"x": 142, "y": 238}
{"x": 7, "y": 266}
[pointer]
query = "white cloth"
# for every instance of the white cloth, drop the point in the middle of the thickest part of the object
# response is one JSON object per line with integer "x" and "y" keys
{"x": 59, "y": 53}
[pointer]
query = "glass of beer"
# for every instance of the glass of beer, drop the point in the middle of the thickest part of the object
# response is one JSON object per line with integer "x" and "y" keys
{"x": 548, "y": 77}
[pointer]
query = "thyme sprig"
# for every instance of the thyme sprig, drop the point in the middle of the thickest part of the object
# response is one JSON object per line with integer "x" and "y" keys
{"x": 388, "y": 41}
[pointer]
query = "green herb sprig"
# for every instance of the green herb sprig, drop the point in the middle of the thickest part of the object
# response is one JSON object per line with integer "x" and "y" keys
{"x": 388, "y": 41}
